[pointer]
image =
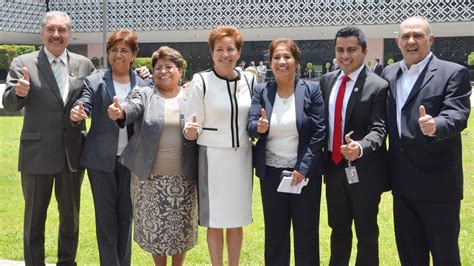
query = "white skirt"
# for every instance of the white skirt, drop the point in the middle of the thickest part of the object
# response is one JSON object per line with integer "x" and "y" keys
{"x": 225, "y": 187}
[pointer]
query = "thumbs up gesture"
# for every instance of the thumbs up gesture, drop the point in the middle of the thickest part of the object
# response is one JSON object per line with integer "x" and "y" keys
{"x": 115, "y": 110}
{"x": 191, "y": 129}
{"x": 352, "y": 149}
{"x": 426, "y": 122}
{"x": 263, "y": 124}
{"x": 23, "y": 85}
{"x": 77, "y": 113}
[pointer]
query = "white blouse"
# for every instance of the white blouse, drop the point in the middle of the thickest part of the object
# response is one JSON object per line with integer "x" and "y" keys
{"x": 282, "y": 141}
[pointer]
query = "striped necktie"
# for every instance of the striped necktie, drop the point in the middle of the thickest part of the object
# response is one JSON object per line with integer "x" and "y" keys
{"x": 58, "y": 74}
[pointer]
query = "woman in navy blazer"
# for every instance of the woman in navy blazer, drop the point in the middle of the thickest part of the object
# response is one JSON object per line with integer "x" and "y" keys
{"x": 110, "y": 180}
{"x": 287, "y": 117}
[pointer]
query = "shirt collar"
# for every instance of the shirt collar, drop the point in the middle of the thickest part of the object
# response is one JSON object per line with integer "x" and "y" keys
{"x": 51, "y": 57}
{"x": 415, "y": 67}
{"x": 354, "y": 75}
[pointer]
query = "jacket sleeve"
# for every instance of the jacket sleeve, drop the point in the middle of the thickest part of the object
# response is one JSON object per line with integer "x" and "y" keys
{"x": 312, "y": 153}
{"x": 377, "y": 131}
{"x": 454, "y": 114}
{"x": 12, "y": 102}
{"x": 134, "y": 107}
{"x": 196, "y": 101}
{"x": 255, "y": 111}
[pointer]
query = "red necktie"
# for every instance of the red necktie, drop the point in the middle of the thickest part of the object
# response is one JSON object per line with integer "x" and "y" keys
{"x": 337, "y": 131}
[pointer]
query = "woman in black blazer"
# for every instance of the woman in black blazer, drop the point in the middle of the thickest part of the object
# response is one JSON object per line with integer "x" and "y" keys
{"x": 287, "y": 117}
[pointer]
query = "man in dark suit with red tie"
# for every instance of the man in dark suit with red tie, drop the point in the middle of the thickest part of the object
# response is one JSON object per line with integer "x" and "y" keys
{"x": 427, "y": 108}
{"x": 355, "y": 101}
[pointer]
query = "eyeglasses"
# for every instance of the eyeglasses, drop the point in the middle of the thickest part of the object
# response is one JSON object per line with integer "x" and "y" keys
{"x": 121, "y": 51}
{"x": 166, "y": 68}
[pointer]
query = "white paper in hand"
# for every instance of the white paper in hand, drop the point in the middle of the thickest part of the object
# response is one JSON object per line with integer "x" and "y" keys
{"x": 286, "y": 187}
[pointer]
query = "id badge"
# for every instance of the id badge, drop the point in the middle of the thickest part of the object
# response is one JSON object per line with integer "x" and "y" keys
{"x": 351, "y": 173}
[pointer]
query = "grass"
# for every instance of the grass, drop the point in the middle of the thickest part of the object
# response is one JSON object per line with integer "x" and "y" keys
{"x": 11, "y": 216}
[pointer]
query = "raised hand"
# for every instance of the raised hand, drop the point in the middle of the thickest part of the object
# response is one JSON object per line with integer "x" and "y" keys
{"x": 23, "y": 85}
{"x": 191, "y": 129}
{"x": 77, "y": 113}
{"x": 426, "y": 122}
{"x": 263, "y": 124}
{"x": 115, "y": 110}
{"x": 350, "y": 150}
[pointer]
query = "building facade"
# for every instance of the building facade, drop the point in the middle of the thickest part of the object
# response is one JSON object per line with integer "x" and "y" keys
{"x": 185, "y": 24}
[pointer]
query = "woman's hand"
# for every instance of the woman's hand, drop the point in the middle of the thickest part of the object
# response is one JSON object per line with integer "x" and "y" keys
{"x": 115, "y": 110}
{"x": 191, "y": 129}
{"x": 297, "y": 178}
{"x": 77, "y": 113}
{"x": 262, "y": 126}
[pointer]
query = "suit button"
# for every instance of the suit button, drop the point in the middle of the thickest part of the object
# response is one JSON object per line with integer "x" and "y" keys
{"x": 402, "y": 149}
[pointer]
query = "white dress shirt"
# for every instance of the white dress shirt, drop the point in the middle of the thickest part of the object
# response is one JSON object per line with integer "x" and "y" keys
{"x": 332, "y": 103}
{"x": 405, "y": 84}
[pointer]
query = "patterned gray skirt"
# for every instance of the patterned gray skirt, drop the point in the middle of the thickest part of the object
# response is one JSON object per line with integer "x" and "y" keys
{"x": 164, "y": 214}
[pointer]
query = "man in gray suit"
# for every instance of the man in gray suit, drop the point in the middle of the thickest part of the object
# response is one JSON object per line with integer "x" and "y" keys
{"x": 47, "y": 83}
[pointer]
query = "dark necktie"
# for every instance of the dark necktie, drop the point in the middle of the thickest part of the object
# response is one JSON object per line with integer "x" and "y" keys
{"x": 337, "y": 131}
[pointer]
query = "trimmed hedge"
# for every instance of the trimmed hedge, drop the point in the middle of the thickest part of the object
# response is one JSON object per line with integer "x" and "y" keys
{"x": 10, "y": 51}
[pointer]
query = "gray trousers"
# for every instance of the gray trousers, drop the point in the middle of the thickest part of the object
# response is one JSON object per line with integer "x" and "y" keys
{"x": 37, "y": 190}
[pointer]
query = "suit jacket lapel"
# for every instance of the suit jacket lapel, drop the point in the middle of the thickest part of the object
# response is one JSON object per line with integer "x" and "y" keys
{"x": 45, "y": 68}
{"x": 355, "y": 95}
{"x": 426, "y": 75}
{"x": 300, "y": 87}
{"x": 109, "y": 84}
{"x": 271, "y": 94}
{"x": 73, "y": 69}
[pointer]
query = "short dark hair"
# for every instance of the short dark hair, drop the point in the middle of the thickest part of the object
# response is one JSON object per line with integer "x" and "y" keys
{"x": 292, "y": 46}
{"x": 167, "y": 53}
{"x": 349, "y": 32}
{"x": 127, "y": 36}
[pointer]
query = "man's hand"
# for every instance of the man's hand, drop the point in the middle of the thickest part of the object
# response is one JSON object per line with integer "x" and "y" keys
{"x": 427, "y": 123}
{"x": 23, "y": 85}
{"x": 351, "y": 150}
{"x": 77, "y": 113}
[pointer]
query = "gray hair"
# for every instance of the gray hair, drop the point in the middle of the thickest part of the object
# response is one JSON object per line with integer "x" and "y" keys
{"x": 55, "y": 13}
{"x": 424, "y": 19}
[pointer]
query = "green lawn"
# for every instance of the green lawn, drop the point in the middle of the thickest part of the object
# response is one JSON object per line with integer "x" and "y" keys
{"x": 11, "y": 215}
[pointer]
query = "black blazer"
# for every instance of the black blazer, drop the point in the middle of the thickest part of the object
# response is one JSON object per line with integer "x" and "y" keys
{"x": 422, "y": 167}
{"x": 365, "y": 115}
{"x": 309, "y": 122}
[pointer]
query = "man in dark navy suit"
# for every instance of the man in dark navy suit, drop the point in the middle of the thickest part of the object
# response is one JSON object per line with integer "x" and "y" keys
{"x": 427, "y": 108}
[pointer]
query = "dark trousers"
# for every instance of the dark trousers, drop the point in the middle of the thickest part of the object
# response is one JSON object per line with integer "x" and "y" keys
{"x": 422, "y": 227}
{"x": 346, "y": 203}
{"x": 113, "y": 214}
{"x": 37, "y": 190}
{"x": 281, "y": 210}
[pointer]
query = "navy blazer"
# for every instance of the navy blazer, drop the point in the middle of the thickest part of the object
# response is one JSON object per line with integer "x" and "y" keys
{"x": 310, "y": 124}
{"x": 422, "y": 167}
{"x": 100, "y": 148}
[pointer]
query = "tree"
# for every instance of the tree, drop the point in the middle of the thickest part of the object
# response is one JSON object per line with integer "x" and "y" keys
{"x": 470, "y": 59}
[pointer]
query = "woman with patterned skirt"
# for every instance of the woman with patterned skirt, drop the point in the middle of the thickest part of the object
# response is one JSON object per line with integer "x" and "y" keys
{"x": 162, "y": 162}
